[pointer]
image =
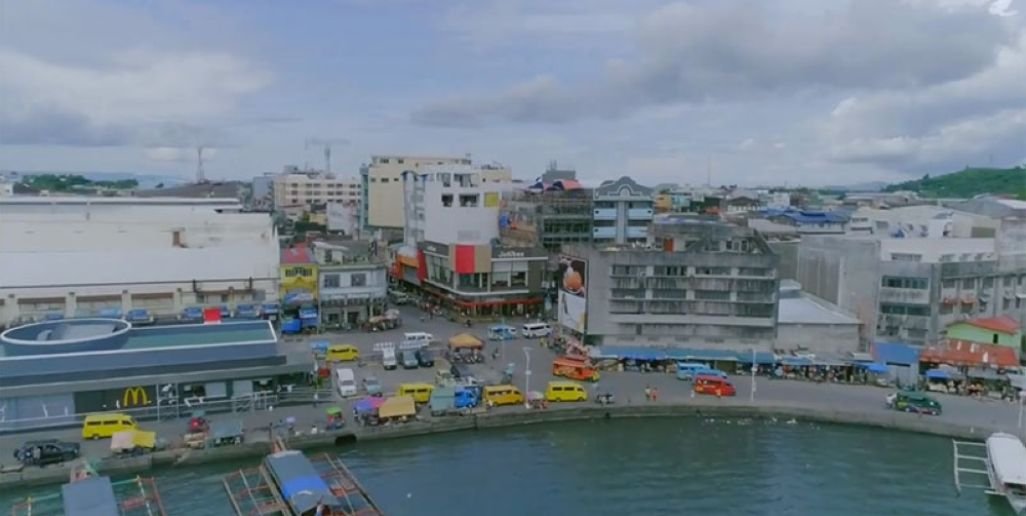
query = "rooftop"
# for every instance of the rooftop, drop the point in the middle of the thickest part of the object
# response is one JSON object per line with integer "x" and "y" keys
{"x": 807, "y": 216}
{"x": 226, "y": 202}
{"x": 1000, "y": 324}
{"x": 296, "y": 256}
{"x": 797, "y": 307}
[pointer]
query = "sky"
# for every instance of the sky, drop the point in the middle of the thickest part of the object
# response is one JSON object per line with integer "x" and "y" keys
{"x": 733, "y": 92}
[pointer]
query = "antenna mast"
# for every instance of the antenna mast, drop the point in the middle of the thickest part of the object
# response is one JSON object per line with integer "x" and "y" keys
{"x": 200, "y": 176}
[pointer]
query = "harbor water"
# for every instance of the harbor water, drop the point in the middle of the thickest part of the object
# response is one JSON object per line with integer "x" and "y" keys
{"x": 644, "y": 466}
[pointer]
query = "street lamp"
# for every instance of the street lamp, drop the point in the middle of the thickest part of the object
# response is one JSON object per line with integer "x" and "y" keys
{"x": 751, "y": 395}
{"x": 527, "y": 377}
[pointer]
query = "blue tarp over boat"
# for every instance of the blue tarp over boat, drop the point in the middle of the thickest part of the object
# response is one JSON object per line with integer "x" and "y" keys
{"x": 299, "y": 482}
{"x": 89, "y": 497}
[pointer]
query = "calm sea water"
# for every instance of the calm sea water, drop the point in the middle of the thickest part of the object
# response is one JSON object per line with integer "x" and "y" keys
{"x": 650, "y": 467}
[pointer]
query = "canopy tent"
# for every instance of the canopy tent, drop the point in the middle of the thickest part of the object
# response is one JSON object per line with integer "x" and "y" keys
{"x": 875, "y": 368}
{"x": 939, "y": 374}
{"x": 368, "y": 405}
{"x": 465, "y": 341}
{"x": 397, "y": 406}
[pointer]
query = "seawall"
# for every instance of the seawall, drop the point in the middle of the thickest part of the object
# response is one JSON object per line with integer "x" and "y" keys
{"x": 891, "y": 420}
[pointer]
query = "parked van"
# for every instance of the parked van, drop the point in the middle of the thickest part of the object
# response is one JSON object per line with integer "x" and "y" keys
{"x": 421, "y": 392}
{"x": 419, "y": 337}
{"x": 98, "y": 426}
{"x": 388, "y": 359}
{"x": 565, "y": 391}
{"x": 714, "y": 385}
{"x": 497, "y": 395}
{"x": 342, "y": 353}
{"x": 345, "y": 382}
{"x": 687, "y": 371}
{"x": 536, "y": 330}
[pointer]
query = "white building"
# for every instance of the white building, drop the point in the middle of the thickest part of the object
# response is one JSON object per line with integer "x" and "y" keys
{"x": 352, "y": 282}
{"x": 382, "y": 184}
{"x": 304, "y": 188}
{"x": 922, "y": 221}
{"x": 343, "y": 217}
{"x": 453, "y": 204}
{"x": 75, "y": 256}
{"x": 6, "y": 189}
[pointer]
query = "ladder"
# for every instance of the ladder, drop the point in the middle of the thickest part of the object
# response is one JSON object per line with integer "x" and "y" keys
{"x": 968, "y": 464}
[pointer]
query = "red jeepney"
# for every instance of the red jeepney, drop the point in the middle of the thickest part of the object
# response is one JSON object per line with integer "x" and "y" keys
{"x": 575, "y": 369}
{"x": 706, "y": 384}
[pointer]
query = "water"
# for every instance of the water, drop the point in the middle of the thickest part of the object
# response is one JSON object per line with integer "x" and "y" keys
{"x": 650, "y": 466}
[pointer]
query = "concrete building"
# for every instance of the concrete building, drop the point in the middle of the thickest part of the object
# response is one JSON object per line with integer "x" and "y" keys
{"x": 342, "y": 218}
{"x": 996, "y": 207}
{"x": 451, "y": 248}
{"x": 622, "y": 210}
{"x": 79, "y": 256}
{"x": 910, "y": 289}
{"x": 922, "y": 221}
{"x": 706, "y": 284}
{"x": 353, "y": 281}
{"x": 106, "y": 364}
{"x": 557, "y": 215}
{"x": 382, "y": 184}
{"x": 295, "y": 187}
{"x": 807, "y": 324}
{"x": 262, "y": 188}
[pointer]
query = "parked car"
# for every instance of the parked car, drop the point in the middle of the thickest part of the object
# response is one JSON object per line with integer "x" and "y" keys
{"x": 409, "y": 359}
{"x": 372, "y": 386}
{"x": 48, "y": 451}
{"x": 425, "y": 357}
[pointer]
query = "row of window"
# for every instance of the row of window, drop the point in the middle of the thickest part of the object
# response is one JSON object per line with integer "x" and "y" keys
{"x": 899, "y": 309}
{"x": 905, "y": 282}
{"x": 987, "y": 282}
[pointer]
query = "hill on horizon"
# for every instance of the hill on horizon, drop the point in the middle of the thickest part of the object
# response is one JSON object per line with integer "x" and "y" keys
{"x": 968, "y": 182}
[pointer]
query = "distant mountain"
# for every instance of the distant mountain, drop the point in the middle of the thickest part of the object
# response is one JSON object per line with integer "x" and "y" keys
{"x": 872, "y": 186}
{"x": 968, "y": 183}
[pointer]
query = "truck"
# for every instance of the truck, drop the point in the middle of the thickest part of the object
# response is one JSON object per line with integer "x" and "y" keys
{"x": 447, "y": 401}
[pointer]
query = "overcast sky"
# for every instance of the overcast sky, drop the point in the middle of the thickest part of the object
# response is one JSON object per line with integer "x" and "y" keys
{"x": 804, "y": 91}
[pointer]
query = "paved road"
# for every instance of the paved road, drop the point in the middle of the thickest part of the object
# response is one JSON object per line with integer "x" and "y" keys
{"x": 628, "y": 387}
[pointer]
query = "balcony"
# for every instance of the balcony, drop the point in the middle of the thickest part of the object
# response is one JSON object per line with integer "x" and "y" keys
{"x": 605, "y": 214}
{"x": 639, "y": 214}
{"x": 637, "y": 232}
{"x": 603, "y": 232}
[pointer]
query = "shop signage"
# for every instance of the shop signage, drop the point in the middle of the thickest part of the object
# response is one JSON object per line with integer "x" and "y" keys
{"x": 517, "y": 252}
{"x": 435, "y": 248}
{"x": 135, "y": 397}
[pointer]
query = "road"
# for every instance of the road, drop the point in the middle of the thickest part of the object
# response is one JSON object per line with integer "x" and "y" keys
{"x": 627, "y": 387}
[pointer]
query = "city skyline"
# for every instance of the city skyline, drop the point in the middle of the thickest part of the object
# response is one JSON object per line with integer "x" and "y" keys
{"x": 661, "y": 91}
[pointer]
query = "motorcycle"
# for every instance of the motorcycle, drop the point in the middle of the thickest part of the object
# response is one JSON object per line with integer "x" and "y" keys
{"x": 605, "y": 399}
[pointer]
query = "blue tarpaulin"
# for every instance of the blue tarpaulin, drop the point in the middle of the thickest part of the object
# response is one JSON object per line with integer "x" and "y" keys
{"x": 875, "y": 368}
{"x": 938, "y": 374}
{"x": 895, "y": 353}
{"x": 796, "y": 361}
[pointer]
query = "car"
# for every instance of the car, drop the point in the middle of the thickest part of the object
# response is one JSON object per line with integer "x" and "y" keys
{"x": 425, "y": 357}
{"x": 48, "y": 451}
{"x": 372, "y": 386}
{"x": 462, "y": 373}
{"x": 409, "y": 359}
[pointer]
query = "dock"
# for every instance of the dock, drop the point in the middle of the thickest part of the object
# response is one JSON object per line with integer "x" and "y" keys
{"x": 287, "y": 483}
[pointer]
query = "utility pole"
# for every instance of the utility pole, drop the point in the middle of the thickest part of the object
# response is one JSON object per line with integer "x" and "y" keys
{"x": 527, "y": 377}
{"x": 200, "y": 175}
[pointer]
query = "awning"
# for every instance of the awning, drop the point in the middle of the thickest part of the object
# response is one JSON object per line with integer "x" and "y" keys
{"x": 398, "y": 406}
{"x": 980, "y": 373}
{"x": 465, "y": 341}
{"x": 368, "y": 405}
{"x": 938, "y": 374}
{"x": 895, "y": 353}
{"x": 876, "y": 368}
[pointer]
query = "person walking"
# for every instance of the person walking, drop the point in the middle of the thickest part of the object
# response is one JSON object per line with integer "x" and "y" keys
{"x": 648, "y": 393}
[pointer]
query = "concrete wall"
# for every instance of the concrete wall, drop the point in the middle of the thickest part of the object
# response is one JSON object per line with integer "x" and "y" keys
{"x": 384, "y": 195}
{"x": 972, "y": 333}
{"x": 835, "y": 339}
{"x": 845, "y": 272}
{"x": 788, "y": 253}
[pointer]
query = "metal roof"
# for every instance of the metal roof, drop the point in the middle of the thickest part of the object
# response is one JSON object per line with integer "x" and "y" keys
{"x": 805, "y": 310}
{"x": 1008, "y": 457}
{"x": 895, "y": 353}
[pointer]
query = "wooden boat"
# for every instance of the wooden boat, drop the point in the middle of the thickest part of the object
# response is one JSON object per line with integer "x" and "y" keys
{"x": 1003, "y": 466}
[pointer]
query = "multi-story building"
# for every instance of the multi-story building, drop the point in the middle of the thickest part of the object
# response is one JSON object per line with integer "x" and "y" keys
{"x": 558, "y": 214}
{"x": 353, "y": 283}
{"x": 911, "y": 289}
{"x": 452, "y": 242}
{"x": 922, "y": 221}
{"x": 701, "y": 283}
{"x": 622, "y": 211}
{"x": 262, "y": 191}
{"x": 305, "y": 188}
{"x": 78, "y": 256}
{"x": 381, "y": 182}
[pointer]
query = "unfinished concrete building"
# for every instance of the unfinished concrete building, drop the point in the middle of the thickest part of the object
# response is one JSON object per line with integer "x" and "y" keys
{"x": 699, "y": 284}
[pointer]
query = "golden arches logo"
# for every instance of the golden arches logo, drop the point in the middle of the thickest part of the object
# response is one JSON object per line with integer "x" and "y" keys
{"x": 135, "y": 395}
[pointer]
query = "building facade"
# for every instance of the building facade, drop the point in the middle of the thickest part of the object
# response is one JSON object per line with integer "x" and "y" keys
{"x": 808, "y": 222}
{"x": 705, "y": 284}
{"x": 549, "y": 218}
{"x": 298, "y": 278}
{"x": 80, "y": 256}
{"x": 353, "y": 282}
{"x": 451, "y": 204}
{"x": 622, "y": 211}
{"x": 382, "y": 184}
{"x": 912, "y": 289}
{"x": 306, "y": 188}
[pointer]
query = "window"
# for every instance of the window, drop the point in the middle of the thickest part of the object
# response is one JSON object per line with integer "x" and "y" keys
{"x": 331, "y": 281}
{"x": 900, "y": 282}
{"x": 400, "y": 161}
{"x": 469, "y": 200}
{"x": 949, "y": 283}
{"x": 384, "y": 180}
{"x": 447, "y": 200}
{"x": 384, "y": 160}
{"x": 906, "y": 257}
{"x": 519, "y": 279}
{"x": 969, "y": 283}
{"x": 358, "y": 279}
{"x": 988, "y": 282}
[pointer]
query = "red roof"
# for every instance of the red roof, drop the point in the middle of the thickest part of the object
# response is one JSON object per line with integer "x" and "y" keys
{"x": 1000, "y": 324}
{"x": 296, "y": 255}
{"x": 970, "y": 354}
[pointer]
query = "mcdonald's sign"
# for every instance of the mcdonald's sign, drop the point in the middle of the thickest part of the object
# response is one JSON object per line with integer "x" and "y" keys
{"x": 135, "y": 397}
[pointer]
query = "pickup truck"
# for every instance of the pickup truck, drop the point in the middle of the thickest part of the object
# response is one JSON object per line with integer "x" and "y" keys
{"x": 453, "y": 400}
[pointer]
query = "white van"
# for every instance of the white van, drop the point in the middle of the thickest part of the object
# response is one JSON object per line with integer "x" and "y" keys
{"x": 537, "y": 329}
{"x": 420, "y": 338}
{"x": 345, "y": 382}
{"x": 388, "y": 359}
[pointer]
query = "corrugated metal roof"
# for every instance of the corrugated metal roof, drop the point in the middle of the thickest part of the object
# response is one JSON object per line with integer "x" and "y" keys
{"x": 803, "y": 310}
{"x": 296, "y": 256}
{"x": 895, "y": 353}
{"x": 1001, "y": 324}
{"x": 965, "y": 353}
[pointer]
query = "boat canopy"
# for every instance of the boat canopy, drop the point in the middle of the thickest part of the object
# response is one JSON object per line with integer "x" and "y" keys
{"x": 398, "y": 406}
{"x": 1008, "y": 457}
{"x": 93, "y": 496}
{"x": 300, "y": 483}
{"x": 465, "y": 341}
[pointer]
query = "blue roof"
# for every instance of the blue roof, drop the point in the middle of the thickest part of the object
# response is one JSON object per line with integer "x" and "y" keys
{"x": 895, "y": 353}
{"x": 660, "y": 353}
{"x": 807, "y": 217}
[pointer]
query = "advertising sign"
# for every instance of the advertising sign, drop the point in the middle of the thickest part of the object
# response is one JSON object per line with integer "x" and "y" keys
{"x": 573, "y": 293}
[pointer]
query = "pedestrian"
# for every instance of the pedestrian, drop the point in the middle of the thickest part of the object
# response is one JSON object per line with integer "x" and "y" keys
{"x": 655, "y": 394}
{"x": 316, "y": 398}
{"x": 648, "y": 393}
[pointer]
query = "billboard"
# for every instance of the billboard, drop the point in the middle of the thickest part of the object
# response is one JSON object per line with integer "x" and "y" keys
{"x": 573, "y": 296}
